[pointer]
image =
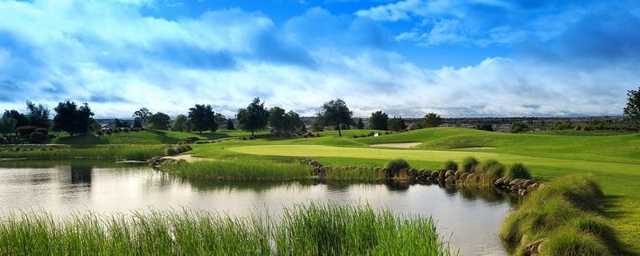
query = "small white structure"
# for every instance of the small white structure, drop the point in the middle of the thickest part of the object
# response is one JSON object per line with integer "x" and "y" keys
{"x": 376, "y": 134}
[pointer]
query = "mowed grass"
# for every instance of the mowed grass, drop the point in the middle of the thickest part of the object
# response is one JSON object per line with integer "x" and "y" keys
{"x": 140, "y": 137}
{"x": 613, "y": 161}
{"x": 303, "y": 230}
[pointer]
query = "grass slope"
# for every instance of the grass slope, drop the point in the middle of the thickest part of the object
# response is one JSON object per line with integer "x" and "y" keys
{"x": 142, "y": 137}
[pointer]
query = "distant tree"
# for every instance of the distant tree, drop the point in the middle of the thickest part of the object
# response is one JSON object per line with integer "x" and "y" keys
{"x": 518, "y": 127}
{"x": 632, "y": 110}
{"x": 72, "y": 119}
{"x": 485, "y": 127}
{"x": 180, "y": 124}
{"x": 230, "y": 125}
{"x": 360, "y": 124}
{"x": 21, "y": 119}
{"x": 432, "y": 120}
{"x": 120, "y": 124}
{"x": 202, "y": 118}
{"x": 293, "y": 123}
{"x": 379, "y": 121}
{"x": 38, "y": 115}
{"x": 318, "y": 124}
{"x": 397, "y": 124}
{"x": 143, "y": 115}
{"x": 277, "y": 120}
{"x": 220, "y": 119}
{"x": 137, "y": 123}
{"x": 159, "y": 121}
{"x": 336, "y": 113}
{"x": 254, "y": 117}
{"x": 7, "y": 125}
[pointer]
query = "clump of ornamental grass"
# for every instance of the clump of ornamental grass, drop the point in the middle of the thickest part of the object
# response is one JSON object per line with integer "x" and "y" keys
{"x": 565, "y": 215}
{"x": 450, "y": 165}
{"x": 518, "y": 171}
{"x": 469, "y": 164}
{"x": 491, "y": 168}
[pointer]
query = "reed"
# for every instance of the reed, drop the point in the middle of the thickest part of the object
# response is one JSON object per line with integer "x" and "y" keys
{"x": 245, "y": 170}
{"x": 302, "y": 230}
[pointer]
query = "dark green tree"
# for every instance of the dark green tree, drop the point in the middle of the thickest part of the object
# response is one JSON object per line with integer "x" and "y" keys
{"x": 230, "y": 125}
{"x": 360, "y": 124}
{"x": 72, "y": 119}
{"x": 180, "y": 124}
{"x": 432, "y": 120}
{"x": 254, "y": 117}
{"x": 142, "y": 115}
{"x": 379, "y": 121}
{"x": 277, "y": 120}
{"x": 21, "y": 119}
{"x": 632, "y": 110}
{"x": 397, "y": 124}
{"x": 518, "y": 127}
{"x": 38, "y": 115}
{"x": 220, "y": 119}
{"x": 202, "y": 118}
{"x": 159, "y": 121}
{"x": 336, "y": 113}
{"x": 318, "y": 124}
{"x": 7, "y": 125}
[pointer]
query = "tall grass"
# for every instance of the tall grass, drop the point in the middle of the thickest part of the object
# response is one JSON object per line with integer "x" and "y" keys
{"x": 354, "y": 173}
{"x": 98, "y": 152}
{"x": 303, "y": 230}
{"x": 566, "y": 215}
{"x": 245, "y": 170}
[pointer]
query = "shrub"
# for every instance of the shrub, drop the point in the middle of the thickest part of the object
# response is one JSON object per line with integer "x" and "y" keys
{"x": 573, "y": 243}
{"x": 394, "y": 167}
{"x": 469, "y": 164}
{"x": 450, "y": 166}
{"x": 38, "y": 138}
{"x": 171, "y": 151}
{"x": 518, "y": 171}
{"x": 492, "y": 168}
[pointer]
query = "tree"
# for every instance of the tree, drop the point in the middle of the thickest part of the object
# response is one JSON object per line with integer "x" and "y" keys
{"x": 159, "y": 121}
{"x": 180, "y": 124}
{"x": 379, "y": 121}
{"x": 72, "y": 119}
{"x": 336, "y": 113}
{"x": 21, "y": 119}
{"x": 7, "y": 125}
{"x": 142, "y": 115}
{"x": 254, "y": 117}
{"x": 360, "y": 124}
{"x": 632, "y": 110}
{"x": 518, "y": 127}
{"x": 318, "y": 124}
{"x": 220, "y": 119}
{"x": 202, "y": 118}
{"x": 432, "y": 120}
{"x": 284, "y": 123}
{"x": 397, "y": 124}
{"x": 38, "y": 115}
{"x": 230, "y": 125}
{"x": 137, "y": 123}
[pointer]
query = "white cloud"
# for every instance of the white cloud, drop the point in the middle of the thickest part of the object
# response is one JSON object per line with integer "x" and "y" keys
{"x": 120, "y": 60}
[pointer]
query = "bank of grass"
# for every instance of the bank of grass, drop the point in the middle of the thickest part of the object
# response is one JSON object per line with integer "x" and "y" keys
{"x": 303, "y": 230}
{"x": 147, "y": 137}
{"x": 244, "y": 170}
{"x": 96, "y": 152}
{"x": 564, "y": 217}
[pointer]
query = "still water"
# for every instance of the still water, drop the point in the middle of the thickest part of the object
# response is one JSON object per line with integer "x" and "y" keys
{"x": 469, "y": 220}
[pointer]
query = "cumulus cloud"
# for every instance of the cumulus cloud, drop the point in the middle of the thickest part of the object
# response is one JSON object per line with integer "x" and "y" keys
{"x": 112, "y": 55}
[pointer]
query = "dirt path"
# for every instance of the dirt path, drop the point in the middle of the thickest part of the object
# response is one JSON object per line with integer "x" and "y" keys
{"x": 187, "y": 157}
{"x": 396, "y": 145}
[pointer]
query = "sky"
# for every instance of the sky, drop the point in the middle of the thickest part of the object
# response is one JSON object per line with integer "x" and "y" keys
{"x": 458, "y": 58}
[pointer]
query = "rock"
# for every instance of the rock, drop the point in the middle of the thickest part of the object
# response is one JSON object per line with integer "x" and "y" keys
{"x": 450, "y": 180}
{"x": 449, "y": 174}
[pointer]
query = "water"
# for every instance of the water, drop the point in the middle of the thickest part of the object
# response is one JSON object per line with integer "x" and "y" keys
{"x": 469, "y": 220}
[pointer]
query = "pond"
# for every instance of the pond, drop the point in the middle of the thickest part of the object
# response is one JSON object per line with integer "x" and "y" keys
{"x": 469, "y": 220}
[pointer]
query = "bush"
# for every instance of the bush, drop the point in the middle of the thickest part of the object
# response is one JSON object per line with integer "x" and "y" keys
{"x": 38, "y": 138}
{"x": 492, "y": 168}
{"x": 394, "y": 167}
{"x": 518, "y": 171}
{"x": 171, "y": 151}
{"x": 469, "y": 164}
{"x": 450, "y": 166}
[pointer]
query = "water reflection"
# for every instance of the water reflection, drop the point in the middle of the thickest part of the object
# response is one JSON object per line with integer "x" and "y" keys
{"x": 469, "y": 218}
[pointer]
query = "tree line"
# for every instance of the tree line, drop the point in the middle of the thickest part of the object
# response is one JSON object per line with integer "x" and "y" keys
{"x": 76, "y": 119}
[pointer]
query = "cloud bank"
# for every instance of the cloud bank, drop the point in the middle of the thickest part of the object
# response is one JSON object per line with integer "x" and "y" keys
{"x": 116, "y": 56}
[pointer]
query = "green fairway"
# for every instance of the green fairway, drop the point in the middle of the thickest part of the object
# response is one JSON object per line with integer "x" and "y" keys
{"x": 612, "y": 160}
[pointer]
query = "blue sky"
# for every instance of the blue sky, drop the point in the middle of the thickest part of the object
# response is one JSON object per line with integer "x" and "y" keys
{"x": 408, "y": 57}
